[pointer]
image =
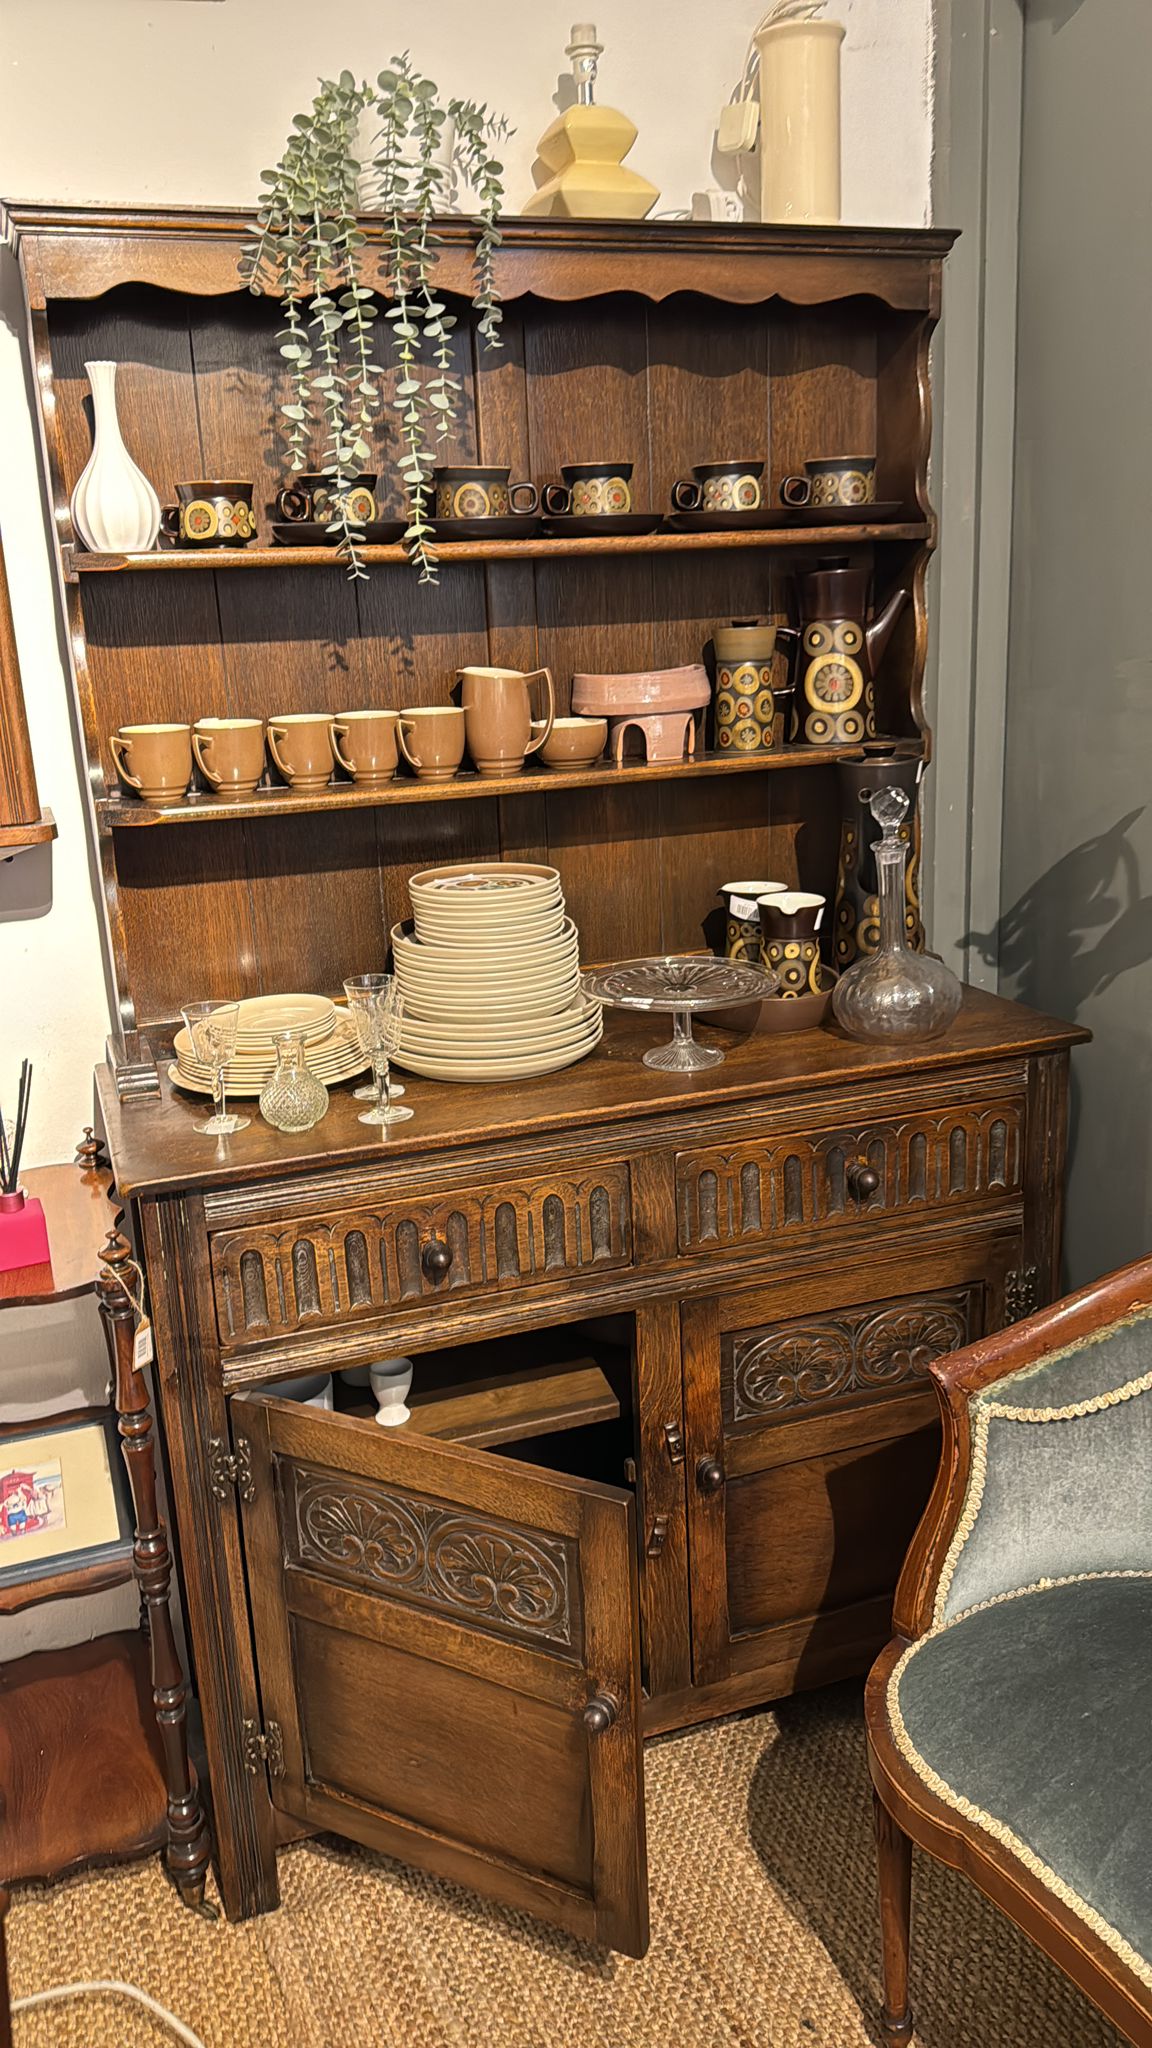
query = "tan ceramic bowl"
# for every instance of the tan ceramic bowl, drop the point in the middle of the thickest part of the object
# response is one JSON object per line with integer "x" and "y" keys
{"x": 572, "y": 742}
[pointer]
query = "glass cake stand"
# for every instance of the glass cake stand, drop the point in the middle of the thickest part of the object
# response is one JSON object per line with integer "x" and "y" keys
{"x": 682, "y": 984}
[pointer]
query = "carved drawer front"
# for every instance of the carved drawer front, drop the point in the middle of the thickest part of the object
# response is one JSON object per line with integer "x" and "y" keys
{"x": 769, "y": 1187}
{"x": 273, "y": 1279}
{"x": 784, "y": 1371}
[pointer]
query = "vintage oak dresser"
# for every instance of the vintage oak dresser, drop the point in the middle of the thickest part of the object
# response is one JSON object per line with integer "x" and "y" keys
{"x": 671, "y": 1426}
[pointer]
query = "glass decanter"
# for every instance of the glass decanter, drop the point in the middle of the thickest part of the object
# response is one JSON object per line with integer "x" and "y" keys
{"x": 294, "y": 1098}
{"x": 895, "y": 995}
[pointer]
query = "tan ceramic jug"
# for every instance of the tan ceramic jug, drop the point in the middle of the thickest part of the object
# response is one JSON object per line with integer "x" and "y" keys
{"x": 498, "y": 717}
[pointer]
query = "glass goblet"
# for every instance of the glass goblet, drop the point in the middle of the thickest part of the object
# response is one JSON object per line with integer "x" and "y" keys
{"x": 212, "y": 1029}
{"x": 380, "y": 1037}
{"x": 362, "y": 991}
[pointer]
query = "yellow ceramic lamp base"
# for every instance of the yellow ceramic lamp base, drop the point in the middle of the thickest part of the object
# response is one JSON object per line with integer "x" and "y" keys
{"x": 584, "y": 149}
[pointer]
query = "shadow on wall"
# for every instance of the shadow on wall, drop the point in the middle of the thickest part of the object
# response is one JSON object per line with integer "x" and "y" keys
{"x": 1077, "y": 928}
{"x": 1074, "y": 932}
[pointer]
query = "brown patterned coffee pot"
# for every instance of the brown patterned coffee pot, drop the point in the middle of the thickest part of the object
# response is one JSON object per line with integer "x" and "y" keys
{"x": 840, "y": 651}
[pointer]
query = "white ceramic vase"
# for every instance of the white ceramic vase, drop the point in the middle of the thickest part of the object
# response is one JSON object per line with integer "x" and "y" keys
{"x": 114, "y": 508}
{"x": 391, "y": 1380}
{"x": 800, "y": 120}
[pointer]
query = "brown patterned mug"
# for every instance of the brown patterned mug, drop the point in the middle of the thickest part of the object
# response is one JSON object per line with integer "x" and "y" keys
{"x": 482, "y": 491}
{"x": 210, "y": 515}
{"x": 833, "y": 480}
{"x": 720, "y": 487}
{"x": 590, "y": 490}
{"x": 316, "y": 499}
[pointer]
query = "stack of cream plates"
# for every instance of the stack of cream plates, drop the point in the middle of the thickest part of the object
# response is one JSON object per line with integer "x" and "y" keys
{"x": 331, "y": 1046}
{"x": 490, "y": 974}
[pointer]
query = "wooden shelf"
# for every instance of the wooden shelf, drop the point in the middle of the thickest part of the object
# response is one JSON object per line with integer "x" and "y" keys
{"x": 78, "y": 562}
{"x": 81, "y": 1766}
{"x": 124, "y": 812}
{"x": 17, "y": 838}
{"x": 528, "y": 1403}
{"x": 74, "y": 1583}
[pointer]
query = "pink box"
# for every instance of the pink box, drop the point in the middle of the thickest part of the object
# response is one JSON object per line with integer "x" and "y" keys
{"x": 23, "y": 1234}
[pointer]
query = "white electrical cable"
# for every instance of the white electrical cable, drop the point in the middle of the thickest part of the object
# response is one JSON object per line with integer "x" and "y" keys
{"x": 161, "y": 2012}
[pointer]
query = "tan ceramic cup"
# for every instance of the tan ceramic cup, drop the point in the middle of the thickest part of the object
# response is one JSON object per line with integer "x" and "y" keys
{"x": 154, "y": 760}
{"x": 368, "y": 753}
{"x": 229, "y": 754}
{"x": 300, "y": 744}
{"x": 432, "y": 740}
{"x": 498, "y": 716}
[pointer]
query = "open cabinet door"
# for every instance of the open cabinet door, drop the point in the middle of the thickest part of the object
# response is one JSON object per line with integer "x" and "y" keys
{"x": 448, "y": 1646}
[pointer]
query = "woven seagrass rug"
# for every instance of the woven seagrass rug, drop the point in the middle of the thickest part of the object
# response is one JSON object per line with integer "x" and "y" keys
{"x": 763, "y": 1916}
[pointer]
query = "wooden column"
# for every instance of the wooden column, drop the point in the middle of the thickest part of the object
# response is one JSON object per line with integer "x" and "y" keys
{"x": 19, "y": 798}
{"x": 188, "y": 1842}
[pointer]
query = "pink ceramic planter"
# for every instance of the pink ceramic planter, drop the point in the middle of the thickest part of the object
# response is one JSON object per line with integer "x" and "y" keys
{"x": 647, "y": 691}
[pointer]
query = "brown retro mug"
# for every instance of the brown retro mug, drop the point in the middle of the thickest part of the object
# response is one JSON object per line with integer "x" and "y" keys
{"x": 833, "y": 480}
{"x": 482, "y": 491}
{"x": 789, "y": 924}
{"x": 751, "y": 704}
{"x": 210, "y": 515}
{"x": 316, "y": 498}
{"x": 590, "y": 490}
{"x": 229, "y": 752}
{"x": 364, "y": 744}
{"x": 300, "y": 743}
{"x": 720, "y": 487}
{"x": 432, "y": 740}
{"x": 154, "y": 760}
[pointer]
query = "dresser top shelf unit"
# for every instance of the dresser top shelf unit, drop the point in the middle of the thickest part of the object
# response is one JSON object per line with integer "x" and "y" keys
{"x": 666, "y": 343}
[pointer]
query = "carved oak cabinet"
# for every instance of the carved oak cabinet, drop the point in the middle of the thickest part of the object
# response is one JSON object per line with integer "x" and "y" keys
{"x": 702, "y": 1310}
{"x": 671, "y": 1426}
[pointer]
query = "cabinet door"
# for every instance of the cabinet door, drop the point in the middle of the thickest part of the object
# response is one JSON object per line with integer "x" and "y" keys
{"x": 813, "y": 1440}
{"x": 447, "y": 1645}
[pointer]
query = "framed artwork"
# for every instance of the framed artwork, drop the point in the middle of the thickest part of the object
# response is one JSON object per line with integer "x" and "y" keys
{"x": 64, "y": 1498}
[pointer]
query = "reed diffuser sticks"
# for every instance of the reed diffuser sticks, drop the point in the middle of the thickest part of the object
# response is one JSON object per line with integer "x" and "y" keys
{"x": 11, "y": 1148}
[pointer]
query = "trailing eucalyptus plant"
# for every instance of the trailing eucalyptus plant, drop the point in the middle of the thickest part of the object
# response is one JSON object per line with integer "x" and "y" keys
{"x": 308, "y": 253}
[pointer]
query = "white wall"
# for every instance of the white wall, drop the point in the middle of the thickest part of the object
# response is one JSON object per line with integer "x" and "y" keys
{"x": 185, "y": 101}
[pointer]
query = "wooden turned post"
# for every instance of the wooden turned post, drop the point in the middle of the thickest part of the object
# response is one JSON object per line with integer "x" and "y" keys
{"x": 188, "y": 1843}
{"x": 894, "y": 1854}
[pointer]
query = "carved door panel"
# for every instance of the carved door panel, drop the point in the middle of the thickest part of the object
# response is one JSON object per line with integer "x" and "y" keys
{"x": 448, "y": 1654}
{"x": 813, "y": 1440}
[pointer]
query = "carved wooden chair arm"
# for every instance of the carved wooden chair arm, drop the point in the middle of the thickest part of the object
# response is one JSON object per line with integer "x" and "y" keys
{"x": 1043, "y": 1443}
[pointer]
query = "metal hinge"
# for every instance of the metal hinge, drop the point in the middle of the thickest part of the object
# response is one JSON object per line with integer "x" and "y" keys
{"x": 263, "y": 1747}
{"x": 230, "y": 1468}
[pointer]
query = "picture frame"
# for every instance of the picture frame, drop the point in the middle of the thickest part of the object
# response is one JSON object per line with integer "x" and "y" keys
{"x": 65, "y": 1501}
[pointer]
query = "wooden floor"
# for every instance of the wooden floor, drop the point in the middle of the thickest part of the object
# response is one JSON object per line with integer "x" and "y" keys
{"x": 763, "y": 1909}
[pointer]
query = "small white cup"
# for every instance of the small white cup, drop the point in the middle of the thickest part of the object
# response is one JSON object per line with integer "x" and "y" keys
{"x": 391, "y": 1380}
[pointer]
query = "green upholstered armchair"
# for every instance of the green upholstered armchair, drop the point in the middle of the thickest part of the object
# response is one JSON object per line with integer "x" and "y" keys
{"x": 1010, "y": 1721}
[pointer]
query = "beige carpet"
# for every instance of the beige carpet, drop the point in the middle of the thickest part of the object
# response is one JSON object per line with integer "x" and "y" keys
{"x": 763, "y": 1916}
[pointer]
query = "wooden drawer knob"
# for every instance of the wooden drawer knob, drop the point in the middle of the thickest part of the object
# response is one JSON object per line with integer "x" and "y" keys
{"x": 709, "y": 1475}
{"x": 863, "y": 1180}
{"x": 436, "y": 1258}
{"x": 599, "y": 1714}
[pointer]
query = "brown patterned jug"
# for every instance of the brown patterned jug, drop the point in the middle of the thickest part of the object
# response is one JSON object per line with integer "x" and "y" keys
{"x": 840, "y": 651}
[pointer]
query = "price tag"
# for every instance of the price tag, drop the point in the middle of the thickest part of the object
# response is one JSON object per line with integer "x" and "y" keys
{"x": 744, "y": 906}
{"x": 142, "y": 1351}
